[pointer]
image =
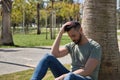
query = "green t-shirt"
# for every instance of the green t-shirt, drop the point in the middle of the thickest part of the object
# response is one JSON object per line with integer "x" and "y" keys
{"x": 80, "y": 54}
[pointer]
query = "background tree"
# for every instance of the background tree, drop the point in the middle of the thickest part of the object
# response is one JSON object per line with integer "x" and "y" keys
{"x": 6, "y": 35}
{"x": 65, "y": 11}
{"x": 16, "y": 14}
{"x": 99, "y": 23}
{"x": 30, "y": 13}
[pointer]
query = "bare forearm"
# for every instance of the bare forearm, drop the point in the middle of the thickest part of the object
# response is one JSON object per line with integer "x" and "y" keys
{"x": 82, "y": 72}
{"x": 56, "y": 44}
{"x": 89, "y": 67}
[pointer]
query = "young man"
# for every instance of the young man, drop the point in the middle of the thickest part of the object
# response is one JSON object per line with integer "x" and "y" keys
{"x": 85, "y": 54}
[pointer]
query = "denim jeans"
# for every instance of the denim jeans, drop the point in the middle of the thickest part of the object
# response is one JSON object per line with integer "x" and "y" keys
{"x": 49, "y": 61}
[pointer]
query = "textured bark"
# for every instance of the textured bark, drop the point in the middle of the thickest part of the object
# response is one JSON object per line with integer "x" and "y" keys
{"x": 38, "y": 19}
{"x": 6, "y": 35}
{"x": 99, "y": 23}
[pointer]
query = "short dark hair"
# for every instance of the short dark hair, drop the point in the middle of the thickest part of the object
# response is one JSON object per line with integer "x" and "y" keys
{"x": 74, "y": 24}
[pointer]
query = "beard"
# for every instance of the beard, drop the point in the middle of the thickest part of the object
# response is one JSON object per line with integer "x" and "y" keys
{"x": 79, "y": 40}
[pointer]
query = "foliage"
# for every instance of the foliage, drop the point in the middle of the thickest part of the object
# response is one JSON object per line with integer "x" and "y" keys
{"x": 65, "y": 10}
{"x": 20, "y": 7}
{"x": 32, "y": 40}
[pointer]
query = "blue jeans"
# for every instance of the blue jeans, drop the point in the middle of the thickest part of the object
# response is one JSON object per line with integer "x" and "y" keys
{"x": 49, "y": 61}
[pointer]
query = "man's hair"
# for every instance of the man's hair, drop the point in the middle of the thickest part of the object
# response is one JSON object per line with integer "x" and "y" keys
{"x": 73, "y": 24}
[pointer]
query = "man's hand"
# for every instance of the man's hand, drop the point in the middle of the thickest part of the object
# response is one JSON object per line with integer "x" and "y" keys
{"x": 60, "y": 77}
{"x": 63, "y": 27}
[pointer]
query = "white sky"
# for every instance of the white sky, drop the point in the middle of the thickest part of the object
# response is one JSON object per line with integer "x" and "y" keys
{"x": 118, "y": 4}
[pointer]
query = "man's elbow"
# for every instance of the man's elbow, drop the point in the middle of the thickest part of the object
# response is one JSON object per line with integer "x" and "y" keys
{"x": 54, "y": 53}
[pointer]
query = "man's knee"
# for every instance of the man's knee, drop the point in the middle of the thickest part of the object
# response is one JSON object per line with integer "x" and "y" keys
{"x": 48, "y": 56}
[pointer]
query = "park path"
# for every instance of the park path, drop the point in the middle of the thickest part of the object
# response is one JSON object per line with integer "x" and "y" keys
{"x": 18, "y": 59}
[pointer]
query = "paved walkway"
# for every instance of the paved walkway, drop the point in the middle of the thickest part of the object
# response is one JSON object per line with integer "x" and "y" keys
{"x": 18, "y": 59}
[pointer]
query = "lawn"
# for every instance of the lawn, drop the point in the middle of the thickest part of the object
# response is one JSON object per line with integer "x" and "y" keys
{"x": 32, "y": 39}
{"x": 26, "y": 75}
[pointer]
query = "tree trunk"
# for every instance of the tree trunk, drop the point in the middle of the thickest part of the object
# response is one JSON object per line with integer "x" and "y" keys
{"x": 99, "y": 23}
{"x": 6, "y": 35}
{"x": 38, "y": 19}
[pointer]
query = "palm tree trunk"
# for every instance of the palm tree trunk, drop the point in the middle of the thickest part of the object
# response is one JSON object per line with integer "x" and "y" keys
{"x": 99, "y": 23}
{"x": 6, "y": 35}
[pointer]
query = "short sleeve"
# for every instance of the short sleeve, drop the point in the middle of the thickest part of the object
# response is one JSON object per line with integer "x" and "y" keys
{"x": 68, "y": 47}
{"x": 96, "y": 53}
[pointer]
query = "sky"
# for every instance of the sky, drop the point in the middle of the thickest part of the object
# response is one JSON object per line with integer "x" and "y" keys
{"x": 81, "y": 1}
{"x": 118, "y": 4}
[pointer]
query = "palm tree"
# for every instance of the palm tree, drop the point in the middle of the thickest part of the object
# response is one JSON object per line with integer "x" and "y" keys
{"x": 99, "y": 23}
{"x": 6, "y": 35}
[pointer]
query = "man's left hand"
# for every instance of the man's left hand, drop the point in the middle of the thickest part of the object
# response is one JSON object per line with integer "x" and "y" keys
{"x": 60, "y": 77}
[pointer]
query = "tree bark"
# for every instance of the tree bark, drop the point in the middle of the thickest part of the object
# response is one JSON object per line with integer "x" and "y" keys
{"x": 38, "y": 19}
{"x": 6, "y": 35}
{"x": 99, "y": 23}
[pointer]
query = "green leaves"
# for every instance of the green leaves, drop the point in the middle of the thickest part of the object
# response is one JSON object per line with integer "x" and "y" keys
{"x": 64, "y": 10}
{"x": 23, "y": 6}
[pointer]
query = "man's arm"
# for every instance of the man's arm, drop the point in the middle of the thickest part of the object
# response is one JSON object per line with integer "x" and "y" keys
{"x": 89, "y": 67}
{"x": 55, "y": 48}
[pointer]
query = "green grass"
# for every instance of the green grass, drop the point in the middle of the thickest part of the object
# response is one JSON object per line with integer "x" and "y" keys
{"x": 32, "y": 39}
{"x": 26, "y": 75}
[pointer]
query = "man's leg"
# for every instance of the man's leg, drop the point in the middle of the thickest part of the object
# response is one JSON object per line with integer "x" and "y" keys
{"x": 51, "y": 62}
{"x": 71, "y": 76}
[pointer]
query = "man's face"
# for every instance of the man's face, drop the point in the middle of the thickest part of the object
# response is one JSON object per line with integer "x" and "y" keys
{"x": 75, "y": 35}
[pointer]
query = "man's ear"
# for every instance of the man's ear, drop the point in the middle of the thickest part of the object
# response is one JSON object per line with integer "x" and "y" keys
{"x": 80, "y": 29}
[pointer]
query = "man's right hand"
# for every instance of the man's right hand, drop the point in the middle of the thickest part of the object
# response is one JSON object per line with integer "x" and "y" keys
{"x": 63, "y": 27}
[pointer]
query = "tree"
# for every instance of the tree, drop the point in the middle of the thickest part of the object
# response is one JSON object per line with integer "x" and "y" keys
{"x": 38, "y": 18}
{"x": 16, "y": 15}
{"x": 68, "y": 1}
{"x": 99, "y": 23}
{"x": 6, "y": 35}
{"x": 23, "y": 12}
{"x": 39, "y": 6}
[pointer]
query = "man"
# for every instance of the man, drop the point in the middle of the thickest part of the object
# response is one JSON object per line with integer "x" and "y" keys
{"x": 85, "y": 54}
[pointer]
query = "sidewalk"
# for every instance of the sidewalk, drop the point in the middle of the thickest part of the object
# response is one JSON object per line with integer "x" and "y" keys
{"x": 18, "y": 59}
